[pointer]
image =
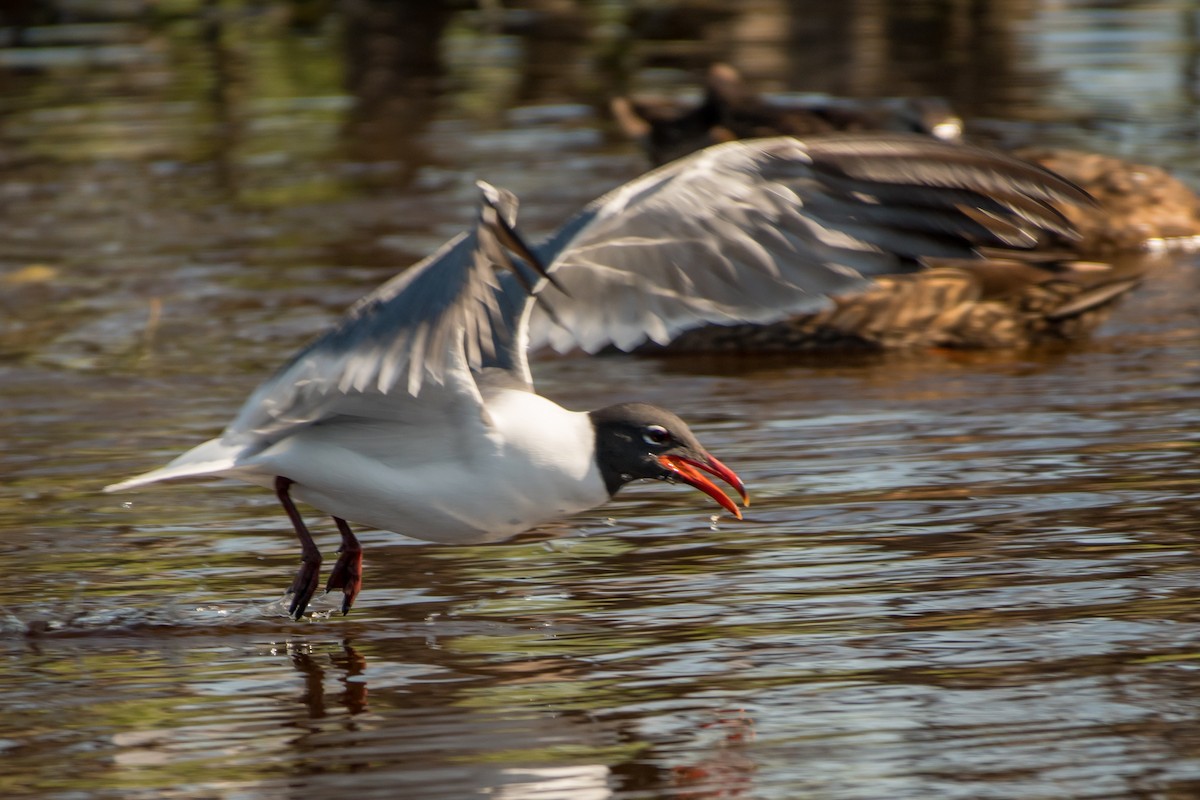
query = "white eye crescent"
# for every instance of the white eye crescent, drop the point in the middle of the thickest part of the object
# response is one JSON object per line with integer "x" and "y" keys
{"x": 656, "y": 434}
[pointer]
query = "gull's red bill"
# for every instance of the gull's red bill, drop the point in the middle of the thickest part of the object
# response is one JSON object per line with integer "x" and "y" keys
{"x": 688, "y": 471}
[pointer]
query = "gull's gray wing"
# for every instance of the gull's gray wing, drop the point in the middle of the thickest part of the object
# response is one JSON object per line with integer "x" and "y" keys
{"x": 434, "y": 327}
{"x": 752, "y": 231}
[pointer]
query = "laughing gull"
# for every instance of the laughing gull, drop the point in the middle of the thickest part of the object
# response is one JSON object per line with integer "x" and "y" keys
{"x": 416, "y": 412}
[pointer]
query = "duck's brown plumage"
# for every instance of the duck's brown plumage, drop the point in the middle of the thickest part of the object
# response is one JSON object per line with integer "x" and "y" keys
{"x": 1136, "y": 203}
{"x": 989, "y": 303}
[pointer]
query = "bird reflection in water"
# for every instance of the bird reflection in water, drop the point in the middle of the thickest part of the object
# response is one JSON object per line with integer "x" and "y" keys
{"x": 350, "y": 666}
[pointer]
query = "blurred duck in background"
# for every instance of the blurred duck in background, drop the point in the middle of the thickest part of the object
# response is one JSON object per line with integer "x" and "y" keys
{"x": 667, "y": 129}
{"x": 1061, "y": 289}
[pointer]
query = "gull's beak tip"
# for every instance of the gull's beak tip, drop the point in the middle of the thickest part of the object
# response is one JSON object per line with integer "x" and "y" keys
{"x": 688, "y": 470}
{"x": 729, "y": 476}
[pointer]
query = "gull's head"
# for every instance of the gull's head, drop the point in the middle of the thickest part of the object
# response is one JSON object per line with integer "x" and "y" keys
{"x": 637, "y": 441}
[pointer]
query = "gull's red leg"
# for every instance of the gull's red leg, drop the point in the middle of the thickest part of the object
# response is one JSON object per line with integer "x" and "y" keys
{"x": 347, "y": 572}
{"x": 305, "y": 584}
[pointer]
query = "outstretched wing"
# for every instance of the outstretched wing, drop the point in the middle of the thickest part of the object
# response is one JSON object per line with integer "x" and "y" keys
{"x": 439, "y": 324}
{"x": 752, "y": 231}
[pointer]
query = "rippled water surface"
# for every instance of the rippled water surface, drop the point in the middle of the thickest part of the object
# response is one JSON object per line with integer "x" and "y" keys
{"x": 964, "y": 574}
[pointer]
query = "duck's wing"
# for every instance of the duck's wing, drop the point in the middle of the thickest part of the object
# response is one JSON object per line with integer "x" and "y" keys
{"x": 752, "y": 231}
{"x": 438, "y": 328}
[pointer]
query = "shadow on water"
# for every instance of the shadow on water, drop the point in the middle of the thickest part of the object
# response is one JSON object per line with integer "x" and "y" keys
{"x": 964, "y": 573}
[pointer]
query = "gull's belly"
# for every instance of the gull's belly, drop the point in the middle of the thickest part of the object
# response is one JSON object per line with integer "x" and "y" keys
{"x": 534, "y": 462}
{"x": 448, "y": 505}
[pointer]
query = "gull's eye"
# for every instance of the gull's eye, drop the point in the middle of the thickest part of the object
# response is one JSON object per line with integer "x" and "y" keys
{"x": 656, "y": 434}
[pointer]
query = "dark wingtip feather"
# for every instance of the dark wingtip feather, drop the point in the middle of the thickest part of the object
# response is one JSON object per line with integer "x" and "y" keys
{"x": 498, "y": 212}
{"x": 893, "y": 159}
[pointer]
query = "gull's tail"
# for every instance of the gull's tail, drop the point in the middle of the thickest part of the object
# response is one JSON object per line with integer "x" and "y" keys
{"x": 214, "y": 457}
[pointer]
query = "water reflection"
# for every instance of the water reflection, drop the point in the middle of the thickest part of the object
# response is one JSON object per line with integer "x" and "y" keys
{"x": 394, "y": 72}
{"x": 349, "y": 666}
